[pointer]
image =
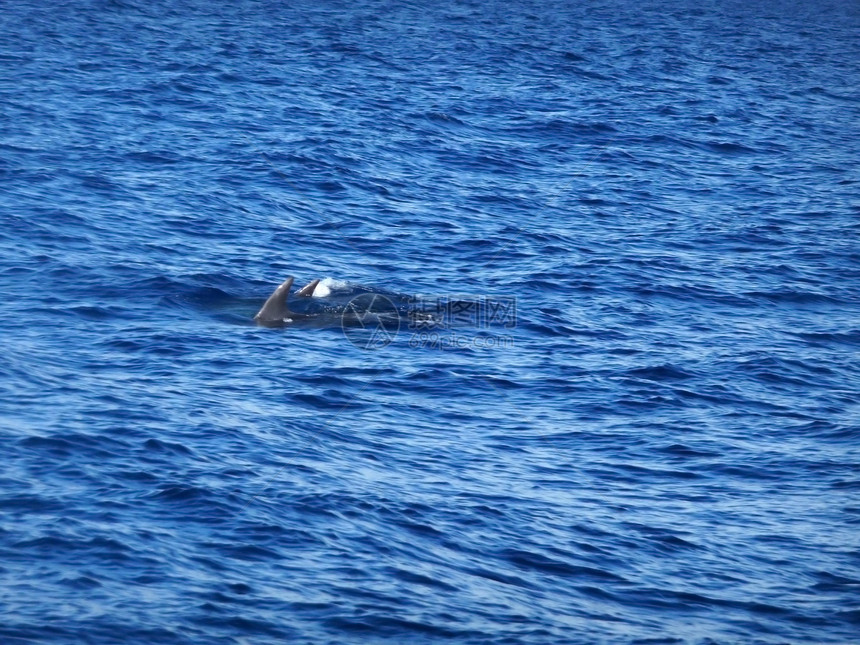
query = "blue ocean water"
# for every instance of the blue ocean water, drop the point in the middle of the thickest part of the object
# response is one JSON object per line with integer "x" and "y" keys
{"x": 654, "y": 436}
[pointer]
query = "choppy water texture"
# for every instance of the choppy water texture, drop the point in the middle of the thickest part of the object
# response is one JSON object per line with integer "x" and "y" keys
{"x": 663, "y": 450}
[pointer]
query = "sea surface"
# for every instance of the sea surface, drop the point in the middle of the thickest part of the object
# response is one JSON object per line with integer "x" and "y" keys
{"x": 635, "y": 226}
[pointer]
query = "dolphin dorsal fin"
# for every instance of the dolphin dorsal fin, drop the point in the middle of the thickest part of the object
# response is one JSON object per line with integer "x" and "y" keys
{"x": 308, "y": 289}
{"x": 275, "y": 309}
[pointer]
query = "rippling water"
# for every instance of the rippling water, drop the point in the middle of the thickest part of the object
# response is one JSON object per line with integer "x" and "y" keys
{"x": 653, "y": 439}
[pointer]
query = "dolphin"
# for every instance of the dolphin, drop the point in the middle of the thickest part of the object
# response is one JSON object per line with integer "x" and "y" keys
{"x": 275, "y": 312}
{"x": 357, "y": 307}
